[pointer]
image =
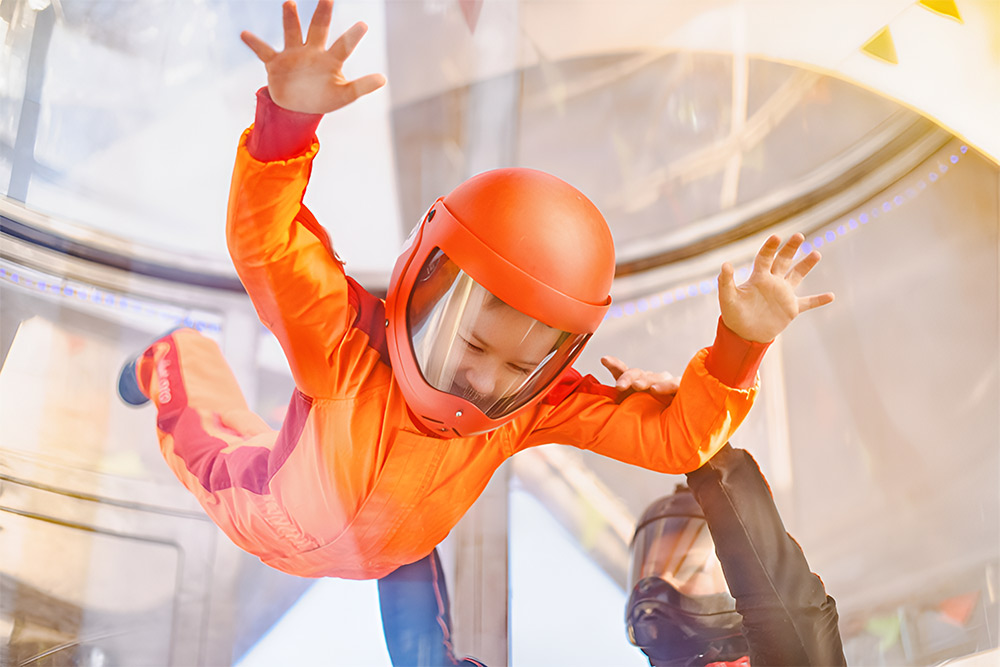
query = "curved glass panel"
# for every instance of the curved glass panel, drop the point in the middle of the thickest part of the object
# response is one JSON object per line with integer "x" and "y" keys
{"x": 877, "y": 427}
{"x": 123, "y": 119}
{"x": 104, "y": 557}
{"x": 655, "y": 141}
{"x": 877, "y": 422}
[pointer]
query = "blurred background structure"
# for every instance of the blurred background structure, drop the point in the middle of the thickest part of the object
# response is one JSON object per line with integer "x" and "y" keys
{"x": 697, "y": 128}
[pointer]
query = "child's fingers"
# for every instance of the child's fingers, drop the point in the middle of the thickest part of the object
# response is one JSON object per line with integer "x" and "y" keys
{"x": 639, "y": 380}
{"x": 783, "y": 261}
{"x": 666, "y": 387}
{"x": 627, "y": 380}
{"x": 257, "y": 45}
{"x": 814, "y": 301}
{"x": 615, "y": 365}
{"x": 802, "y": 269}
{"x": 346, "y": 43}
{"x": 765, "y": 256}
{"x": 290, "y": 22}
{"x": 727, "y": 283}
{"x": 319, "y": 26}
{"x": 366, "y": 84}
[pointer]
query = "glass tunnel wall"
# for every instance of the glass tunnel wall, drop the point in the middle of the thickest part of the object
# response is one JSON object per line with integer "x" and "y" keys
{"x": 103, "y": 558}
{"x": 898, "y": 392}
{"x": 877, "y": 425}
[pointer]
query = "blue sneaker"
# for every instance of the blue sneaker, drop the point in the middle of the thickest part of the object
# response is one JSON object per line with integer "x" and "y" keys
{"x": 128, "y": 386}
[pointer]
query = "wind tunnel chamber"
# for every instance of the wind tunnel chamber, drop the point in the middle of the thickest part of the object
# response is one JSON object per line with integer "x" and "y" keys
{"x": 878, "y": 422}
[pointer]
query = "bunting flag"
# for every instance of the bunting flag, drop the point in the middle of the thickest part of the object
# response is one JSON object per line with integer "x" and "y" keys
{"x": 958, "y": 610}
{"x": 886, "y": 629}
{"x": 882, "y": 47}
{"x": 943, "y": 7}
{"x": 470, "y": 10}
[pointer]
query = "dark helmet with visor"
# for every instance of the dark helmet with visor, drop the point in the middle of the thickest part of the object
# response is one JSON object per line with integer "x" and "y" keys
{"x": 680, "y": 611}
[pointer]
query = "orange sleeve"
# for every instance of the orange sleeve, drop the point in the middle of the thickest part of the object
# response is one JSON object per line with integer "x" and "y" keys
{"x": 734, "y": 360}
{"x": 287, "y": 265}
{"x": 639, "y": 429}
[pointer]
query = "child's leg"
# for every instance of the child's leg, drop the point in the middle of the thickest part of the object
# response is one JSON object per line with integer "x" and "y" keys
{"x": 208, "y": 435}
{"x": 186, "y": 368}
{"x": 416, "y": 618}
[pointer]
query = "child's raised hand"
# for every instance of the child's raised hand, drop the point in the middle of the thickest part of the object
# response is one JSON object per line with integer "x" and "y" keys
{"x": 307, "y": 76}
{"x": 761, "y": 308}
{"x": 662, "y": 385}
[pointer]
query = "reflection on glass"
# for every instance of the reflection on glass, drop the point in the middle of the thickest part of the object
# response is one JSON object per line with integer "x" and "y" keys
{"x": 110, "y": 106}
{"x": 75, "y": 596}
{"x": 891, "y": 394}
{"x": 891, "y": 469}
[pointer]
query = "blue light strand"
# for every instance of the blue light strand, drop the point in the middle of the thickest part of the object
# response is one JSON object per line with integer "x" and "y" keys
{"x": 62, "y": 288}
{"x": 820, "y": 239}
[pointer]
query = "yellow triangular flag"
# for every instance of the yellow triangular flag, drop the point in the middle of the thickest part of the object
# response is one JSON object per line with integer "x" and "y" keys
{"x": 882, "y": 47}
{"x": 943, "y": 7}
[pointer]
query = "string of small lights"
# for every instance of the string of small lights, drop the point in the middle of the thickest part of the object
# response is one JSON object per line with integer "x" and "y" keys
{"x": 116, "y": 302}
{"x": 175, "y": 315}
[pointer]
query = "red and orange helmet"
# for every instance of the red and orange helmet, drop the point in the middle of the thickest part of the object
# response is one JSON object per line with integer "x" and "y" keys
{"x": 494, "y": 295}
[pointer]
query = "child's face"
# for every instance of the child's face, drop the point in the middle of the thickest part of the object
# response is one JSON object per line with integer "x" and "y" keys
{"x": 497, "y": 351}
{"x": 470, "y": 344}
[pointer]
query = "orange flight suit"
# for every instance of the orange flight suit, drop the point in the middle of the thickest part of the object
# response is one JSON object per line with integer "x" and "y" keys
{"x": 351, "y": 486}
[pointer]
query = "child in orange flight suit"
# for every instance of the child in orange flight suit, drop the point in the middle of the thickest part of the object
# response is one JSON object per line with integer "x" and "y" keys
{"x": 404, "y": 409}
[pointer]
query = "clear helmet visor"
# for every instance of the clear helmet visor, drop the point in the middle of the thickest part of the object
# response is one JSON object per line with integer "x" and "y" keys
{"x": 470, "y": 344}
{"x": 680, "y": 551}
{"x": 680, "y": 608}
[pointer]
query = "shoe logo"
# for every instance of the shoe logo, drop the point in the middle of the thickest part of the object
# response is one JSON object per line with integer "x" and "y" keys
{"x": 163, "y": 386}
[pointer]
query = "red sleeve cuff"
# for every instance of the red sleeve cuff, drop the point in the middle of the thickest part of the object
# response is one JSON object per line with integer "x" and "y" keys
{"x": 280, "y": 134}
{"x": 733, "y": 360}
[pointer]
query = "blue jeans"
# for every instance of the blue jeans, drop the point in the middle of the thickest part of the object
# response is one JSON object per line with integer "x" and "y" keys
{"x": 416, "y": 618}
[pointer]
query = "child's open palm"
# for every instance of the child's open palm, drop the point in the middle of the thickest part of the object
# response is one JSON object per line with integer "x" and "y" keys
{"x": 307, "y": 76}
{"x": 760, "y": 308}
